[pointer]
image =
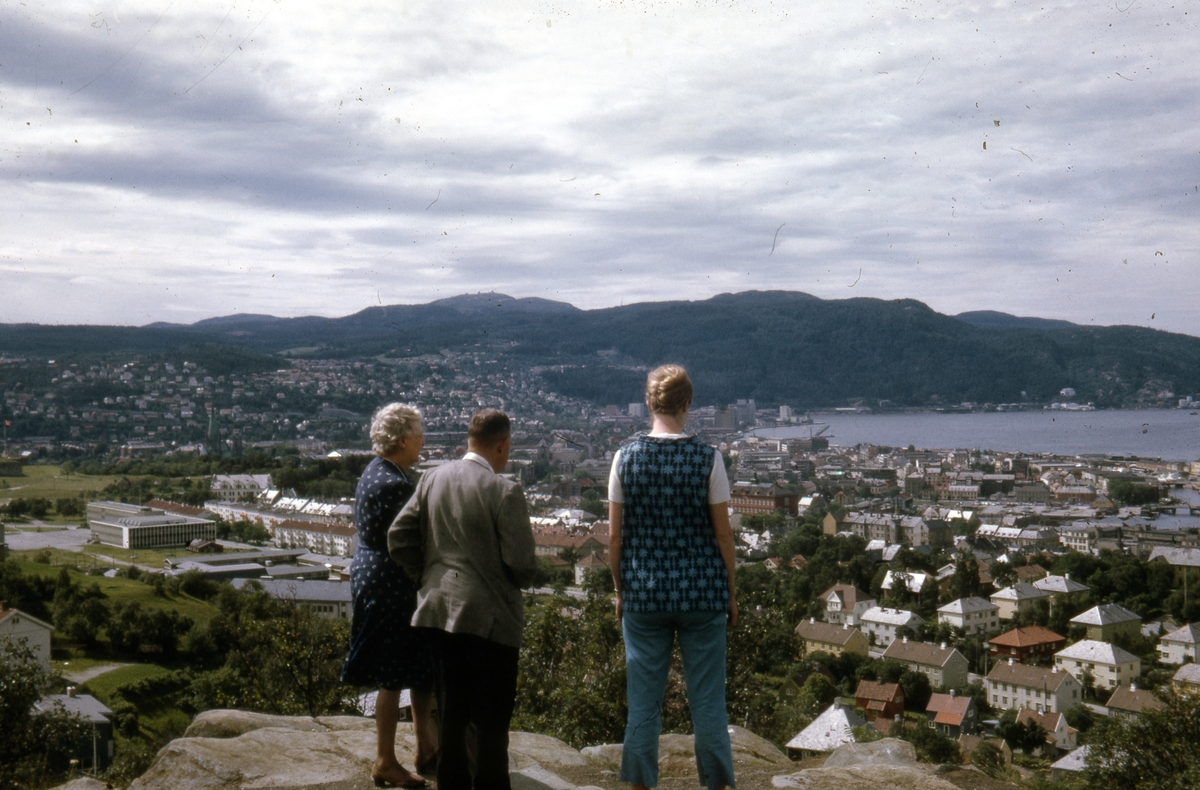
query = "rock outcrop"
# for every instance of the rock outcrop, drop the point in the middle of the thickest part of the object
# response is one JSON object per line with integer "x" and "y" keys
{"x": 236, "y": 750}
{"x": 890, "y": 764}
{"x": 677, "y": 755}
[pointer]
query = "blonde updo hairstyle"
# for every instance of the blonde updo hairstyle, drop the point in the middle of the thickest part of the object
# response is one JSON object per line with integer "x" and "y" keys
{"x": 391, "y": 424}
{"x": 668, "y": 390}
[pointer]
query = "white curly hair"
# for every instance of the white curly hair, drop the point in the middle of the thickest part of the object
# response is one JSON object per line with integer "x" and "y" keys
{"x": 392, "y": 423}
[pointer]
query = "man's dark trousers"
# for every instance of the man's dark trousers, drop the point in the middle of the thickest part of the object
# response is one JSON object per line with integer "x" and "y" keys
{"x": 477, "y": 684}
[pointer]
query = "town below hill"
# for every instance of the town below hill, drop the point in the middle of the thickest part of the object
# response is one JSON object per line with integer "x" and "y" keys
{"x": 178, "y": 531}
{"x": 1015, "y": 612}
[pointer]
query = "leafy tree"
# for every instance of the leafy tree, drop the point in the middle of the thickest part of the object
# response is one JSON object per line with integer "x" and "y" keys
{"x": 916, "y": 688}
{"x": 32, "y": 743}
{"x": 68, "y": 507}
{"x": 816, "y": 695}
{"x": 1127, "y": 492}
{"x": 1036, "y": 612}
{"x": 931, "y": 745}
{"x": 287, "y": 661}
{"x": 134, "y": 627}
{"x": 1028, "y": 736}
{"x": 572, "y": 679}
{"x": 1080, "y": 717}
{"x": 1159, "y": 750}
{"x": 1002, "y": 574}
{"x": 965, "y": 581}
{"x": 988, "y": 758}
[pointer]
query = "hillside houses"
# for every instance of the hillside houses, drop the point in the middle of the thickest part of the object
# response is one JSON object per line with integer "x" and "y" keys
{"x": 974, "y": 615}
{"x": 891, "y": 529}
{"x": 943, "y": 665}
{"x": 1011, "y": 601}
{"x": 1179, "y": 646}
{"x": 831, "y": 638}
{"x": 1013, "y": 686}
{"x": 1108, "y": 665}
{"x": 845, "y": 603}
{"x": 881, "y": 623}
{"x": 1107, "y": 620}
{"x": 1027, "y": 644}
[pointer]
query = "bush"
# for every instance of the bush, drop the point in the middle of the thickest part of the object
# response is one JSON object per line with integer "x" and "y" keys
{"x": 988, "y": 758}
{"x": 931, "y": 745}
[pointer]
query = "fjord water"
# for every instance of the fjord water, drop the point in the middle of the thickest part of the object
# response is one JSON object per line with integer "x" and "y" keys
{"x": 1169, "y": 434}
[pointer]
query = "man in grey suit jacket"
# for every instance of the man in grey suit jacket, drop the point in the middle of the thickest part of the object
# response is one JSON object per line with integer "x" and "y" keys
{"x": 464, "y": 537}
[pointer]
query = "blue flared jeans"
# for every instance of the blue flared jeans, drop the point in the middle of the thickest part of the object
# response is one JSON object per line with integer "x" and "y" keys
{"x": 648, "y": 640}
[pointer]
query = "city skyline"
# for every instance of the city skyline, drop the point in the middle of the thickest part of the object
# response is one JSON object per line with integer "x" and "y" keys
{"x": 179, "y": 161}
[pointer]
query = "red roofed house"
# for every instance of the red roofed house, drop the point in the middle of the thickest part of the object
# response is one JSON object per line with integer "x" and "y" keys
{"x": 952, "y": 715}
{"x": 879, "y": 700}
{"x": 1027, "y": 644}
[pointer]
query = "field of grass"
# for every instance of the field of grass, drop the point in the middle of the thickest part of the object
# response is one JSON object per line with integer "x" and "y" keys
{"x": 149, "y": 557}
{"x": 118, "y": 590}
{"x": 49, "y": 482}
{"x": 103, "y": 686}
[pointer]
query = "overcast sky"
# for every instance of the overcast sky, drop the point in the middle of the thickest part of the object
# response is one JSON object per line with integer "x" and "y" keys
{"x": 172, "y": 161}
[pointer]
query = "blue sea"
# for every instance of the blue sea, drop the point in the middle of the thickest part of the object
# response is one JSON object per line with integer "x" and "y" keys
{"x": 1169, "y": 434}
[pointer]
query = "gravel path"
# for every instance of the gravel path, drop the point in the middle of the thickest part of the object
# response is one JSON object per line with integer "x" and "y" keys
{"x": 84, "y": 675}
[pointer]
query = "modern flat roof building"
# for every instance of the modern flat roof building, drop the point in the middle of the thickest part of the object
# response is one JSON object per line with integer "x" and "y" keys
{"x": 329, "y": 599}
{"x": 141, "y": 527}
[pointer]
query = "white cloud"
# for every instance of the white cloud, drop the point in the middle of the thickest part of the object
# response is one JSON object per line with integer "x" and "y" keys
{"x": 293, "y": 158}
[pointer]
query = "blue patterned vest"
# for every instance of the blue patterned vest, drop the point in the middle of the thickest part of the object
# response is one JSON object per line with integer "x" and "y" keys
{"x": 670, "y": 561}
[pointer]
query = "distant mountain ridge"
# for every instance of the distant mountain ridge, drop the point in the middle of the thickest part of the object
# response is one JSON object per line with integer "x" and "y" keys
{"x": 991, "y": 318}
{"x": 774, "y": 346}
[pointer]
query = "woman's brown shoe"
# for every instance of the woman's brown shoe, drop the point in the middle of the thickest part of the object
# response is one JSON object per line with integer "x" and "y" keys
{"x": 396, "y": 777}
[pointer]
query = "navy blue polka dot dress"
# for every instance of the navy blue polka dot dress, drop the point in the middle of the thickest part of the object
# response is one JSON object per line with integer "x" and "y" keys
{"x": 385, "y": 650}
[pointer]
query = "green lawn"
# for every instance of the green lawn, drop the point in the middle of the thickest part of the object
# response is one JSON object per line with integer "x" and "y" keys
{"x": 103, "y": 686}
{"x": 118, "y": 590}
{"x": 149, "y": 557}
{"x": 50, "y": 483}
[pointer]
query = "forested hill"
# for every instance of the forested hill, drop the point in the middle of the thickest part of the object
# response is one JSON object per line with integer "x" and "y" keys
{"x": 776, "y": 347}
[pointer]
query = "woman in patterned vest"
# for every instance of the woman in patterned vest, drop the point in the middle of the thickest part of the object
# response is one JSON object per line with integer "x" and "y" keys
{"x": 671, "y": 552}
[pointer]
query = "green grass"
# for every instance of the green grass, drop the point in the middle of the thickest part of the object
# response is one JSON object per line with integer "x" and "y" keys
{"x": 150, "y": 557}
{"x": 77, "y": 662}
{"x": 50, "y": 483}
{"x": 118, "y": 590}
{"x": 103, "y": 686}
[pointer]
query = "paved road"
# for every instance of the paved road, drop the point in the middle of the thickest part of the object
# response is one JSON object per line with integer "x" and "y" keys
{"x": 71, "y": 538}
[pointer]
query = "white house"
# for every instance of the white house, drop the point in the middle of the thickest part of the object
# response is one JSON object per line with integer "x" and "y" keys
{"x": 973, "y": 615}
{"x": 1013, "y": 600}
{"x": 1109, "y": 665}
{"x": 845, "y": 604}
{"x": 943, "y": 665}
{"x": 1179, "y": 646}
{"x": 15, "y": 625}
{"x": 1014, "y": 686}
{"x": 1105, "y": 621}
{"x": 1060, "y": 585}
{"x": 882, "y": 623}
{"x": 236, "y": 488}
{"x": 913, "y": 580}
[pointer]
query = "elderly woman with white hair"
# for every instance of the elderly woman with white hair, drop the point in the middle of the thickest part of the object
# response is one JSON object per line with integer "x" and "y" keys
{"x": 385, "y": 650}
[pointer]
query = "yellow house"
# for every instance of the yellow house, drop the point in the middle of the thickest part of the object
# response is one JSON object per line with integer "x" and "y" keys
{"x": 830, "y": 638}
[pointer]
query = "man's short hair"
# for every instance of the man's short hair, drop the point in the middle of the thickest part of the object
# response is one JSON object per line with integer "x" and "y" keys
{"x": 489, "y": 427}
